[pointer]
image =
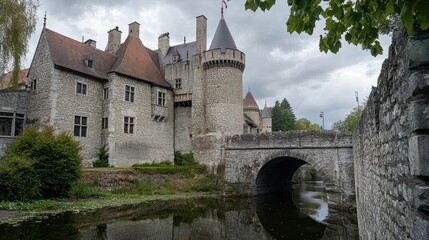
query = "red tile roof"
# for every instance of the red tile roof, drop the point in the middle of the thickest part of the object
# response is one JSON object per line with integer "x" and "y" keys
{"x": 70, "y": 54}
{"x": 133, "y": 59}
{"x": 6, "y": 79}
{"x": 249, "y": 101}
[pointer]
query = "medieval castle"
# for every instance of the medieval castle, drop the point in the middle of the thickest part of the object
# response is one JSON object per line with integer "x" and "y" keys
{"x": 142, "y": 104}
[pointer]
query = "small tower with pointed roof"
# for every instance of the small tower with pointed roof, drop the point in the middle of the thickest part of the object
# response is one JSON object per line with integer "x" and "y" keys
{"x": 266, "y": 119}
{"x": 218, "y": 106}
{"x": 252, "y": 116}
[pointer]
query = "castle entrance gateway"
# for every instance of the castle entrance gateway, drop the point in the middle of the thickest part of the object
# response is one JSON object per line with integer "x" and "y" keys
{"x": 265, "y": 163}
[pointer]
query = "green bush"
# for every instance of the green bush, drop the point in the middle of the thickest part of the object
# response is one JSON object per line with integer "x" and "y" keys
{"x": 18, "y": 180}
{"x": 51, "y": 164}
{"x": 103, "y": 157}
{"x": 184, "y": 159}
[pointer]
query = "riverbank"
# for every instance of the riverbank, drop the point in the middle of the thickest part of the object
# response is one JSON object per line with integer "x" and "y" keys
{"x": 112, "y": 187}
{"x": 15, "y": 212}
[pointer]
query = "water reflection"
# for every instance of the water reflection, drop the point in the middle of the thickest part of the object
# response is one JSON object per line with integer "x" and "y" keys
{"x": 264, "y": 217}
{"x": 311, "y": 199}
{"x": 279, "y": 216}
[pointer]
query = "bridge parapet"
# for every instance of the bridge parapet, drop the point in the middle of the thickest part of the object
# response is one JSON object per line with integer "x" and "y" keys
{"x": 291, "y": 140}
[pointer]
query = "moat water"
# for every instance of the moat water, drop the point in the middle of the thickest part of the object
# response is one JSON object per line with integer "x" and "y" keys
{"x": 304, "y": 214}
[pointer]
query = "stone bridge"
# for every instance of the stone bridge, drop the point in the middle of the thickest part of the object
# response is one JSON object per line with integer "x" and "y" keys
{"x": 258, "y": 164}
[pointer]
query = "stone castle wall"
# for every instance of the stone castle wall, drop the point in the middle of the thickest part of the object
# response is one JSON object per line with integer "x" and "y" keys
{"x": 224, "y": 100}
{"x": 42, "y": 70}
{"x": 152, "y": 140}
{"x": 67, "y": 104}
{"x": 182, "y": 70}
{"x": 182, "y": 128}
{"x": 391, "y": 155}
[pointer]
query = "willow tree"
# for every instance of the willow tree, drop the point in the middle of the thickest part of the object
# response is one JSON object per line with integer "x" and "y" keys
{"x": 359, "y": 22}
{"x": 17, "y": 23}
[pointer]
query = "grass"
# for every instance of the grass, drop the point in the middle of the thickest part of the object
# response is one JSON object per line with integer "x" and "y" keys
{"x": 192, "y": 181}
{"x": 42, "y": 208}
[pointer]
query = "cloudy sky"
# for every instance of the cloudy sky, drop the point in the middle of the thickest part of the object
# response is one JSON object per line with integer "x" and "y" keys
{"x": 278, "y": 65}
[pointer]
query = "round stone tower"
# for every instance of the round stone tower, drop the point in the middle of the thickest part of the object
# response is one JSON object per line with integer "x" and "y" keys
{"x": 223, "y": 65}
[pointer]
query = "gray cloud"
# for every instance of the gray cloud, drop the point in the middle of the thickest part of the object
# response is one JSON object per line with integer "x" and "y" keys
{"x": 278, "y": 64}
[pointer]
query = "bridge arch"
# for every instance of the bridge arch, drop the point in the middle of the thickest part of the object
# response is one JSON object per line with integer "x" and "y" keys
{"x": 276, "y": 171}
{"x": 249, "y": 158}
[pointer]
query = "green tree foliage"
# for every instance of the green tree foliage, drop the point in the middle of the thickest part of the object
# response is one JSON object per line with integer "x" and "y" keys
{"x": 350, "y": 123}
{"x": 358, "y": 21}
{"x": 39, "y": 164}
{"x": 305, "y": 124}
{"x": 283, "y": 118}
{"x": 17, "y": 23}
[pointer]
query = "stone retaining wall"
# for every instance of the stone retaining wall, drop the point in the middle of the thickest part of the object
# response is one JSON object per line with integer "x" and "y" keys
{"x": 391, "y": 147}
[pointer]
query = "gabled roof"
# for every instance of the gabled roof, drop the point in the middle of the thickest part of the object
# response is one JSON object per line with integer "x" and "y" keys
{"x": 249, "y": 101}
{"x": 70, "y": 54}
{"x": 133, "y": 60}
{"x": 186, "y": 51}
{"x": 266, "y": 112}
{"x": 222, "y": 38}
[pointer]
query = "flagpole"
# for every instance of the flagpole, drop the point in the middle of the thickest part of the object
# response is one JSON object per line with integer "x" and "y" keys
{"x": 322, "y": 115}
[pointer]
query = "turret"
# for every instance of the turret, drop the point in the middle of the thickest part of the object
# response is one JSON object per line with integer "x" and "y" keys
{"x": 223, "y": 66}
{"x": 251, "y": 109}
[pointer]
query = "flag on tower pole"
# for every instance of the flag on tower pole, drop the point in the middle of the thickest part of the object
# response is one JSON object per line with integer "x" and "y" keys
{"x": 322, "y": 116}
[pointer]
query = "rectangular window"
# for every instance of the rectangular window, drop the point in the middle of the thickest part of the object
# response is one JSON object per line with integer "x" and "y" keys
{"x": 6, "y": 121}
{"x": 178, "y": 83}
{"x": 105, "y": 123}
{"x": 33, "y": 84}
{"x": 80, "y": 126}
{"x": 129, "y": 93}
{"x": 161, "y": 98}
{"x": 106, "y": 93}
{"x": 11, "y": 123}
{"x": 19, "y": 123}
{"x": 81, "y": 88}
{"x": 129, "y": 125}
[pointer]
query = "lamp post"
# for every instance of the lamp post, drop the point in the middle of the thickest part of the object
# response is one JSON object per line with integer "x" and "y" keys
{"x": 322, "y": 116}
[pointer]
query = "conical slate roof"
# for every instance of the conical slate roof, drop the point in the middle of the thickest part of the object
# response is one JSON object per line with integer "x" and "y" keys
{"x": 222, "y": 38}
{"x": 266, "y": 112}
{"x": 249, "y": 101}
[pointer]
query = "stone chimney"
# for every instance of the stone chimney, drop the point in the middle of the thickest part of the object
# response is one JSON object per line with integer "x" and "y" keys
{"x": 91, "y": 43}
{"x": 164, "y": 43}
{"x": 134, "y": 29}
{"x": 114, "y": 41}
{"x": 201, "y": 34}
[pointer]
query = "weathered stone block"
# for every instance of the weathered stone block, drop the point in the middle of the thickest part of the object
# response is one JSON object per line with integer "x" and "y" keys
{"x": 419, "y": 155}
{"x": 418, "y": 49}
{"x": 419, "y": 115}
{"x": 421, "y": 198}
{"x": 417, "y": 87}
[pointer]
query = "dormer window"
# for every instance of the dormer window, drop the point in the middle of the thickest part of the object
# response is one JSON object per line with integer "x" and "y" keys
{"x": 89, "y": 63}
